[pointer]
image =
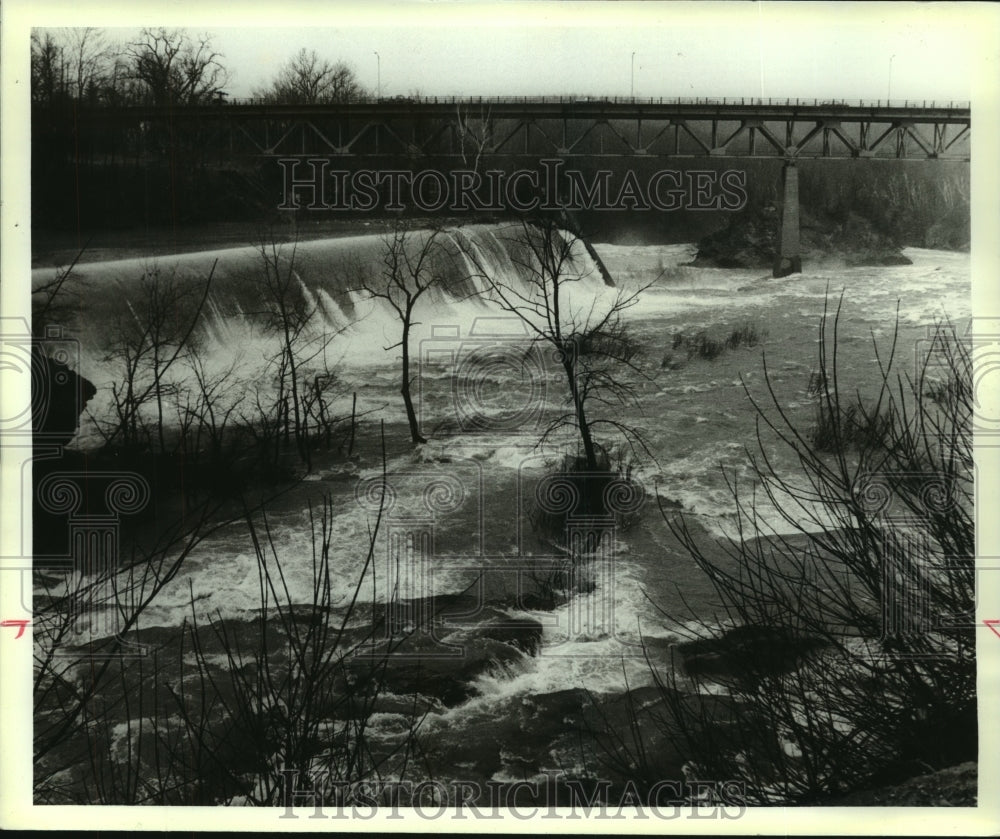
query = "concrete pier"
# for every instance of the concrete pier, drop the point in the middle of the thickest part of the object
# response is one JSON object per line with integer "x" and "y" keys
{"x": 788, "y": 259}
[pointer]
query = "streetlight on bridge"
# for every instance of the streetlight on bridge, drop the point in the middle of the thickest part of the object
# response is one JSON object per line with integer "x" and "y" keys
{"x": 378, "y": 86}
{"x": 632, "y": 85}
{"x": 889, "y": 91}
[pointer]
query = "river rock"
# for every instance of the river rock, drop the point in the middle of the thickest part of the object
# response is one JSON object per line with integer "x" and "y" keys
{"x": 444, "y": 668}
{"x": 955, "y": 786}
{"x": 745, "y": 653}
{"x": 443, "y": 657}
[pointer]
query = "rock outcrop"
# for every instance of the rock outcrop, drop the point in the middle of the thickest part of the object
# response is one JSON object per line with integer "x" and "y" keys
{"x": 750, "y": 240}
{"x": 745, "y": 653}
{"x": 58, "y": 397}
{"x": 444, "y": 664}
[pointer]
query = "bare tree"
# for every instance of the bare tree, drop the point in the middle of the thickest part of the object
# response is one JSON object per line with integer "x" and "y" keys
{"x": 176, "y": 69}
{"x": 68, "y": 710}
{"x": 593, "y": 347}
{"x": 307, "y": 79}
{"x": 173, "y": 727}
{"x": 847, "y": 631}
{"x": 290, "y": 312}
{"x": 48, "y": 68}
{"x": 475, "y": 134}
{"x": 88, "y": 57}
{"x": 216, "y": 400}
{"x": 408, "y": 271}
{"x": 287, "y": 314}
{"x": 145, "y": 344}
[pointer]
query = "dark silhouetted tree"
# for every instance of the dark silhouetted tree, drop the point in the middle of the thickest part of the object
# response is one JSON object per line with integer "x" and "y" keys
{"x": 307, "y": 79}
{"x": 175, "y": 69}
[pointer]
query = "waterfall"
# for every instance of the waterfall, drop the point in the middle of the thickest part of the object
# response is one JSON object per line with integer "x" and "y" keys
{"x": 328, "y": 277}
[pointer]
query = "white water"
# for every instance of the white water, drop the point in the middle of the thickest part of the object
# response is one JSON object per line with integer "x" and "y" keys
{"x": 696, "y": 419}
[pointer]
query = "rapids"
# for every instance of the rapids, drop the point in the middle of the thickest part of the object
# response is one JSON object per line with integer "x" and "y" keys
{"x": 695, "y": 417}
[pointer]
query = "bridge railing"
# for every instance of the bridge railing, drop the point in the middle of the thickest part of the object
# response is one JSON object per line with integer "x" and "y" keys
{"x": 568, "y": 99}
{"x": 580, "y": 99}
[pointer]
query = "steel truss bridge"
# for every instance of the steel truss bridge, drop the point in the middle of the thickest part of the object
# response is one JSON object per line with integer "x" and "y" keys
{"x": 464, "y": 133}
{"x": 567, "y": 127}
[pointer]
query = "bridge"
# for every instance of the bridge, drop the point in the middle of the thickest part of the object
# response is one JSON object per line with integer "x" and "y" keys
{"x": 478, "y": 132}
{"x": 563, "y": 126}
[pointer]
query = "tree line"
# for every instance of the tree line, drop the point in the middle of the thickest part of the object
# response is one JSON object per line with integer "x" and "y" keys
{"x": 164, "y": 66}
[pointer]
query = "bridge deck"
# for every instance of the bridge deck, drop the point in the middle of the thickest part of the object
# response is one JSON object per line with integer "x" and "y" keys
{"x": 559, "y": 108}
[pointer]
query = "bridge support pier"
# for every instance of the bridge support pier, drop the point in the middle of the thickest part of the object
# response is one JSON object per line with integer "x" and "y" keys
{"x": 788, "y": 259}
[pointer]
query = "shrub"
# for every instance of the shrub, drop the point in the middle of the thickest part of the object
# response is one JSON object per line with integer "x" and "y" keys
{"x": 869, "y": 585}
{"x": 855, "y": 426}
{"x": 286, "y": 696}
{"x": 702, "y": 345}
{"x": 220, "y": 710}
{"x": 604, "y": 499}
{"x": 705, "y": 347}
{"x": 745, "y": 336}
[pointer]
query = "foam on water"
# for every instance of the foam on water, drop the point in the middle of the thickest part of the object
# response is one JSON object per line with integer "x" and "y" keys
{"x": 592, "y": 641}
{"x": 351, "y": 332}
{"x": 936, "y": 284}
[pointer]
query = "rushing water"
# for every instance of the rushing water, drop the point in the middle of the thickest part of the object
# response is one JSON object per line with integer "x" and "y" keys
{"x": 473, "y": 485}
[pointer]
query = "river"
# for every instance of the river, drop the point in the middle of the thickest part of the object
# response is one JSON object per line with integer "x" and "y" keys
{"x": 693, "y": 414}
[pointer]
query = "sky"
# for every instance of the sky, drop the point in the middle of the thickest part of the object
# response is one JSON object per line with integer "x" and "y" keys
{"x": 811, "y": 50}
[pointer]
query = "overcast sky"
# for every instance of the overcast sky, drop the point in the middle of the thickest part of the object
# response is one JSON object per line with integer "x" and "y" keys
{"x": 832, "y": 50}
